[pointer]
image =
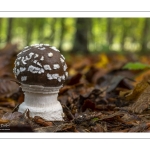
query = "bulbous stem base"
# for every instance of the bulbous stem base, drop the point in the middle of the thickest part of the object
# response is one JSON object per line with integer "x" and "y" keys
{"x": 42, "y": 101}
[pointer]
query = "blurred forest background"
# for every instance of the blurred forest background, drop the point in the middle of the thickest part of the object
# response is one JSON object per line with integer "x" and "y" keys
{"x": 79, "y": 34}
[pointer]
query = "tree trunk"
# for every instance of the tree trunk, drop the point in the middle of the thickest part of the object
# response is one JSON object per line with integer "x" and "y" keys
{"x": 52, "y": 28}
{"x": 144, "y": 35}
{"x": 123, "y": 40}
{"x": 41, "y": 30}
{"x": 81, "y": 36}
{"x": 0, "y": 30}
{"x": 123, "y": 36}
{"x": 109, "y": 33}
{"x": 29, "y": 30}
{"x": 9, "y": 30}
{"x": 62, "y": 33}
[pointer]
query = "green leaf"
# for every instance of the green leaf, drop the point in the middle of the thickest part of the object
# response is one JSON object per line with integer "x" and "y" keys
{"x": 95, "y": 119}
{"x": 136, "y": 66}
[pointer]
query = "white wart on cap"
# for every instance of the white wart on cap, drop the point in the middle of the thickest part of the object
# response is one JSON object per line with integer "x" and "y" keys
{"x": 40, "y": 64}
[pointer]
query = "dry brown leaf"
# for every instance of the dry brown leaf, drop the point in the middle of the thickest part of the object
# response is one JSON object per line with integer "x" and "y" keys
{"x": 7, "y": 102}
{"x": 143, "y": 101}
{"x": 41, "y": 121}
{"x": 140, "y": 128}
{"x": 7, "y": 87}
{"x": 7, "y": 57}
{"x": 145, "y": 75}
{"x": 137, "y": 91}
{"x": 2, "y": 121}
{"x": 63, "y": 127}
{"x": 98, "y": 128}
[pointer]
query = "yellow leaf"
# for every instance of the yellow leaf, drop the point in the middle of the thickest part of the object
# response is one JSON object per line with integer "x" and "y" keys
{"x": 103, "y": 61}
{"x": 3, "y": 121}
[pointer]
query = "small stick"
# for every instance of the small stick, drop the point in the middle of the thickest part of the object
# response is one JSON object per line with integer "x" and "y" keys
{"x": 70, "y": 112}
{"x": 16, "y": 107}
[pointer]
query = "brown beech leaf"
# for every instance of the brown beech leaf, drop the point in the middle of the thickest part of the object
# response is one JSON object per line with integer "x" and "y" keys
{"x": 114, "y": 82}
{"x": 9, "y": 50}
{"x": 7, "y": 102}
{"x": 42, "y": 122}
{"x": 7, "y": 57}
{"x": 90, "y": 74}
{"x": 137, "y": 91}
{"x": 143, "y": 101}
{"x": 5, "y": 69}
{"x": 140, "y": 128}
{"x": 64, "y": 127}
{"x": 7, "y": 87}
{"x": 74, "y": 79}
{"x": 88, "y": 104}
{"x": 98, "y": 128}
{"x": 112, "y": 116}
{"x": 64, "y": 89}
{"x": 2, "y": 121}
{"x": 111, "y": 82}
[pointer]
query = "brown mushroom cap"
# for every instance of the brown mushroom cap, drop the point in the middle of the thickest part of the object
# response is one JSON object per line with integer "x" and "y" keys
{"x": 40, "y": 64}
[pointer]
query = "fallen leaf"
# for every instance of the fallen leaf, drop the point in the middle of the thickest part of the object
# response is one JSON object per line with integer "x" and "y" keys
{"x": 143, "y": 100}
{"x": 98, "y": 128}
{"x": 137, "y": 91}
{"x": 102, "y": 62}
{"x": 2, "y": 121}
{"x": 41, "y": 121}
{"x": 140, "y": 128}
{"x": 74, "y": 79}
{"x": 7, "y": 102}
{"x": 88, "y": 104}
{"x": 7, "y": 87}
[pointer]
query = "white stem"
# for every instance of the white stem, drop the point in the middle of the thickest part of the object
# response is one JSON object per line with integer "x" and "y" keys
{"x": 42, "y": 101}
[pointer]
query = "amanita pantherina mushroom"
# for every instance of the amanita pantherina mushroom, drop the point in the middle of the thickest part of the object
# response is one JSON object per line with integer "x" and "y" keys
{"x": 41, "y": 70}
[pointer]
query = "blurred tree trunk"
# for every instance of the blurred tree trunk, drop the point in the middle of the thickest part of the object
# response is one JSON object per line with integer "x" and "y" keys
{"x": 0, "y": 30}
{"x": 124, "y": 34}
{"x": 9, "y": 30}
{"x": 29, "y": 30}
{"x": 144, "y": 35}
{"x": 40, "y": 29}
{"x": 123, "y": 40}
{"x": 81, "y": 36}
{"x": 52, "y": 28}
{"x": 62, "y": 32}
{"x": 109, "y": 32}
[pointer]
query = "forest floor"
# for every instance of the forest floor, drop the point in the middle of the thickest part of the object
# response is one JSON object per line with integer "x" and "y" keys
{"x": 98, "y": 96}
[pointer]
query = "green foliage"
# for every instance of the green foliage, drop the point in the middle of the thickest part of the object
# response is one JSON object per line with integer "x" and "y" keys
{"x": 136, "y": 66}
{"x": 95, "y": 119}
{"x": 103, "y": 34}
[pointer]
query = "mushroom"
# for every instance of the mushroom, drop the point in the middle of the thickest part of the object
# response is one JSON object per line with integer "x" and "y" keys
{"x": 41, "y": 71}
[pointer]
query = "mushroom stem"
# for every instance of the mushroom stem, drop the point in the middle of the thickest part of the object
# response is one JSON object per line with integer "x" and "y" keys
{"x": 42, "y": 101}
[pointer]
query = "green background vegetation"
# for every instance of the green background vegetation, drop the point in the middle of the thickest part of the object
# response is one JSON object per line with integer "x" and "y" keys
{"x": 79, "y": 34}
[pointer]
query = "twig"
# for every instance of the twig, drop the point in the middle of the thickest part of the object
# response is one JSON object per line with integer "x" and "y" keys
{"x": 16, "y": 107}
{"x": 69, "y": 112}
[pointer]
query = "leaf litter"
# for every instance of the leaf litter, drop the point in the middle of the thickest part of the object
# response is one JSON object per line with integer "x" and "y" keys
{"x": 99, "y": 96}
